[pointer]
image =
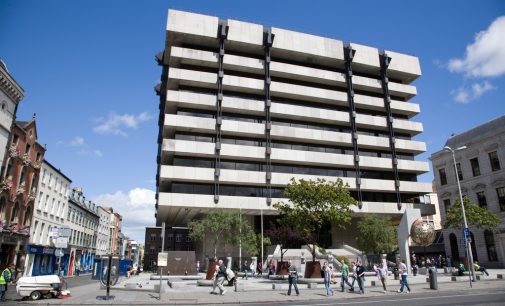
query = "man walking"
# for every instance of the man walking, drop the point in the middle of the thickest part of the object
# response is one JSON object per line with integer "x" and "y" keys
{"x": 245, "y": 267}
{"x": 327, "y": 279}
{"x": 403, "y": 271}
{"x": 345, "y": 276}
{"x": 360, "y": 274}
{"x": 293, "y": 278}
{"x": 354, "y": 278}
{"x": 219, "y": 278}
{"x": 252, "y": 267}
{"x": 5, "y": 278}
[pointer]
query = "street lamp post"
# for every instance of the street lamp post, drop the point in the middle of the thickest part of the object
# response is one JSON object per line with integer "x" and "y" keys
{"x": 467, "y": 240}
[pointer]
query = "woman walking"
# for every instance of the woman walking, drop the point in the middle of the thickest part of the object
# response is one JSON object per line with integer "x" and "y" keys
{"x": 327, "y": 279}
{"x": 383, "y": 275}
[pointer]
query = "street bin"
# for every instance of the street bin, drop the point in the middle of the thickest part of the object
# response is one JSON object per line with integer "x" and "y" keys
{"x": 396, "y": 274}
{"x": 433, "y": 278}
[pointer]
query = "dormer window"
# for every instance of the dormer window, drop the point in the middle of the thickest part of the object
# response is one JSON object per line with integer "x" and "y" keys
{"x": 27, "y": 149}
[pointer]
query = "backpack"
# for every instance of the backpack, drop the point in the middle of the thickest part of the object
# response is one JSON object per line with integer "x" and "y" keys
{"x": 229, "y": 274}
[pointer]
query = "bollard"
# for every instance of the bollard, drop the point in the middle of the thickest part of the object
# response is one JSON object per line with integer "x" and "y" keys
{"x": 433, "y": 278}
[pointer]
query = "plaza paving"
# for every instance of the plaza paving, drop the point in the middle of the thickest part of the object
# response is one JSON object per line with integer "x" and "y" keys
{"x": 186, "y": 292}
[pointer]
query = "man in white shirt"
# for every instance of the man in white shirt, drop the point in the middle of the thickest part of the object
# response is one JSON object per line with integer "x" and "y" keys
{"x": 404, "y": 273}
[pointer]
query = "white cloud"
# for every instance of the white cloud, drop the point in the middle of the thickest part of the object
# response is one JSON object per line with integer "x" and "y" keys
{"x": 116, "y": 124}
{"x": 82, "y": 147}
{"x": 136, "y": 207}
{"x": 485, "y": 57}
{"x": 465, "y": 95}
{"x": 77, "y": 141}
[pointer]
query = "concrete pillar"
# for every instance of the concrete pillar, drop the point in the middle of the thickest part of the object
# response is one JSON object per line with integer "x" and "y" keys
{"x": 409, "y": 216}
{"x": 228, "y": 262}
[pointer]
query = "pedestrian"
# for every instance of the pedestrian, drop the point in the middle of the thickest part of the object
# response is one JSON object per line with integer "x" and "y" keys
{"x": 245, "y": 267}
{"x": 414, "y": 265}
{"x": 344, "y": 270}
{"x": 354, "y": 278}
{"x": 252, "y": 267}
{"x": 260, "y": 269}
{"x": 5, "y": 278}
{"x": 327, "y": 279}
{"x": 272, "y": 268}
{"x": 404, "y": 274}
{"x": 476, "y": 267}
{"x": 197, "y": 266}
{"x": 383, "y": 275}
{"x": 360, "y": 274}
{"x": 219, "y": 277}
{"x": 292, "y": 278}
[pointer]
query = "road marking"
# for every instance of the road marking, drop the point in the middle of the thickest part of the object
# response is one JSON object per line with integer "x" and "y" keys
{"x": 397, "y": 300}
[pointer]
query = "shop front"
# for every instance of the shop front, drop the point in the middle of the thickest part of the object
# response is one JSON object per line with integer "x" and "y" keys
{"x": 13, "y": 250}
{"x": 41, "y": 259}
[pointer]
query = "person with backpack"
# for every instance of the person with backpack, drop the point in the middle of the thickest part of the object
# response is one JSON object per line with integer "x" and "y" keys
{"x": 5, "y": 278}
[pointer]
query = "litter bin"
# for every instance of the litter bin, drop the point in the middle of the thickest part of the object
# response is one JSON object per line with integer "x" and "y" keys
{"x": 433, "y": 278}
{"x": 396, "y": 274}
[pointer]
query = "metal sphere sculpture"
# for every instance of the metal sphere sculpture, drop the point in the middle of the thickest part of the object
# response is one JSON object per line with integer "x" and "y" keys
{"x": 422, "y": 233}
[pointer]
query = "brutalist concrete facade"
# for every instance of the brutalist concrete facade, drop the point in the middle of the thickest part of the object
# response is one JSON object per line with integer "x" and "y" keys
{"x": 481, "y": 168}
{"x": 244, "y": 108}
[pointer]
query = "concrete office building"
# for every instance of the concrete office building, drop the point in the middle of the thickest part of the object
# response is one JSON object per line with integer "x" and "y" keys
{"x": 481, "y": 171}
{"x": 244, "y": 108}
{"x": 50, "y": 212}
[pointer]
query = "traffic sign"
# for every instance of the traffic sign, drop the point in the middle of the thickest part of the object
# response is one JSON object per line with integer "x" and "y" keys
{"x": 466, "y": 233}
{"x": 162, "y": 259}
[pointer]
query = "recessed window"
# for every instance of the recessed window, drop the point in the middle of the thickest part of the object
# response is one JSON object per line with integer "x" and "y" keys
{"x": 481, "y": 198}
{"x": 490, "y": 246}
{"x": 501, "y": 197}
{"x": 443, "y": 176}
{"x": 460, "y": 172}
{"x": 447, "y": 205}
{"x": 475, "y": 166}
{"x": 494, "y": 161}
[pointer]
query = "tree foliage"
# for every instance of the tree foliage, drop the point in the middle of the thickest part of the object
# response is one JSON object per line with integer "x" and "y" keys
{"x": 285, "y": 236}
{"x": 224, "y": 226}
{"x": 475, "y": 216}
{"x": 314, "y": 203}
{"x": 376, "y": 235}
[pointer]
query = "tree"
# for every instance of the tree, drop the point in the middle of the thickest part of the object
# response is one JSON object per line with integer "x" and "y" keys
{"x": 223, "y": 226}
{"x": 285, "y": 236}
{"x": 313, "y": 204}
{"x": 475, "y": 216}
{"x": 376, "y": 235}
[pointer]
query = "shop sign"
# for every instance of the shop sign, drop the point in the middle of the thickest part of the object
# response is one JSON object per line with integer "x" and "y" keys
{"x": 40, "y": 250}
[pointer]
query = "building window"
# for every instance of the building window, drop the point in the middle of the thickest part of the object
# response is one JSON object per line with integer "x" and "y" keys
{"x": 460, "y": 172}
{"x": 27, "y": 149}
{"x": 15, "y": 213}
{"x": 170, "y": 237}
{"x": 3, "y": 208}
{"x": 447, "y": 205}
{"x": 443, "y": 177}
{"x": 188, "y": 239}
{"x": 178, "y": 237}
{"x": 475, "y": 166}
{"x": 490, "y": 246}
{"x": 494, "y": 161}
{"x": 501, "y": 197}
{"x": 481, "y": 199}
{"x": 153, "y": 237}
{"x": 28, "y": 217}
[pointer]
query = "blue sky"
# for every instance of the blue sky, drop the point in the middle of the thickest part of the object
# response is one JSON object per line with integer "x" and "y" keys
{"x": 88, "y": 71}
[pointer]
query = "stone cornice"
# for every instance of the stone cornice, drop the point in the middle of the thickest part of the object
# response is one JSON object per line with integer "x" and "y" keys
{"x": 10, "y": 87}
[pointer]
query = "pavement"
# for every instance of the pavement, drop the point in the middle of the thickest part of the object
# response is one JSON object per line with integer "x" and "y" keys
{"x": 253, "y": 290}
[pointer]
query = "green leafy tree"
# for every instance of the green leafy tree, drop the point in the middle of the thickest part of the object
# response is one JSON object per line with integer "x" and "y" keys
{"x": 224, "y": 226}
{"x": 475, "y": 216}
{"x": 312, "y": 204}
{"x": 376, "y": 235}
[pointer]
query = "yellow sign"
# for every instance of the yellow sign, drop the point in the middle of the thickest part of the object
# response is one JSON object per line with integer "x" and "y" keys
{"x": 162, "y": 259}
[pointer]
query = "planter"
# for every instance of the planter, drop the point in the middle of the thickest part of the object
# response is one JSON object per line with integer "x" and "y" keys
{"x": 282, "y": 268}
{"x": 211, "y": 269}
{"x": 313, "y": 269}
